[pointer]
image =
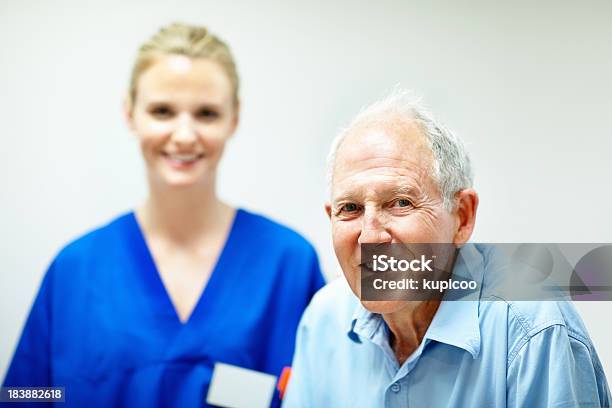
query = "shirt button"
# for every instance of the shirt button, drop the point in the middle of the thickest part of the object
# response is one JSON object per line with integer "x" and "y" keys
{"x": 395, "y": 387}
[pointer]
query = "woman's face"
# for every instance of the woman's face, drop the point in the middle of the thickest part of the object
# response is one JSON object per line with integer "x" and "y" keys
{"x": 183, "y": 114}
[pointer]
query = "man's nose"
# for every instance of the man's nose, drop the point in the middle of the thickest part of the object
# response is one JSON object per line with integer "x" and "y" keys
{"x": 373, "y": 228}
{"x": 185, "y": 132}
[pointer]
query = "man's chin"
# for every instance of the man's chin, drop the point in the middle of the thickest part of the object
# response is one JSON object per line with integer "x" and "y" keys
{"x": 384, "y": 306}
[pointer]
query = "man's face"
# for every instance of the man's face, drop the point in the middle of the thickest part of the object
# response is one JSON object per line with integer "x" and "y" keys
{"x": 383, "y": 192}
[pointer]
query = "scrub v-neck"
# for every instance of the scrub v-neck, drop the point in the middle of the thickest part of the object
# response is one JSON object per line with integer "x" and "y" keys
{"x": 160, "y": 297}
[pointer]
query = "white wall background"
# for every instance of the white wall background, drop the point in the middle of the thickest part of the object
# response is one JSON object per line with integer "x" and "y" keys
{"x": 528, "y": 87}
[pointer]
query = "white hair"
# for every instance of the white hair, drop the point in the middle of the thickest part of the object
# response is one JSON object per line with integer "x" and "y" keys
{"x": 451, "y": 170}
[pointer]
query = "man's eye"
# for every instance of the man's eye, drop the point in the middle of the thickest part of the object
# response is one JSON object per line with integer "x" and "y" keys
{"x": 161, "y": 112}
{"x": 402, "y": 203}
{"x": 207, "y": 114}
{"x": 349, "y": 207}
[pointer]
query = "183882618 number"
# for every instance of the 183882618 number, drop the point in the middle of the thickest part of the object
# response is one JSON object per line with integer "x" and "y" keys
{"x": 32, "y": 394}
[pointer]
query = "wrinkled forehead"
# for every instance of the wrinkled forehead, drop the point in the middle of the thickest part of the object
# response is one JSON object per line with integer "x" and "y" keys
{"x": 373, "y": 146}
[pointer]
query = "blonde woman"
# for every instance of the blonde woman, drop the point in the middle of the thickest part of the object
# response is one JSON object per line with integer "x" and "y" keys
{"x": 137, "y": 312}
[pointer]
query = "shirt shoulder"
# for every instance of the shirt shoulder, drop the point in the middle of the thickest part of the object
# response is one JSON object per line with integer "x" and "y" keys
{"x": 526, "y": 320}
{"x": 96, "y": 242}
{"x": 331, "y": 308}
{"x": 80, "y": 264}
{"x": 278, "y": 252}
{"x": 268, "y": 232}
{"x": 552, "y": 353}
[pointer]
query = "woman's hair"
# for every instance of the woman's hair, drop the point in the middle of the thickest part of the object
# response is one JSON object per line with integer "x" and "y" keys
{"x": 188, "y": 40}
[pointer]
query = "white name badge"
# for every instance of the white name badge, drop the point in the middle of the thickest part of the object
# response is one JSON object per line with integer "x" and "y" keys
{"x": 237, "y": 387}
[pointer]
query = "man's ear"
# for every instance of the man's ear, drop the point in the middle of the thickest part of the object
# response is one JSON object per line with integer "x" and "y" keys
{"x": 466, "y": 205}
{"x": 328, "y": 209}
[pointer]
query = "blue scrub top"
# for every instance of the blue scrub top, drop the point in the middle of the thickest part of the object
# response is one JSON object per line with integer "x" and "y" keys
{"x": 103, "y": 326}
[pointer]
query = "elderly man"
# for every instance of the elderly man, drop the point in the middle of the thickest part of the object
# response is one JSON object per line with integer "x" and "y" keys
{"x": 397, "y": 176}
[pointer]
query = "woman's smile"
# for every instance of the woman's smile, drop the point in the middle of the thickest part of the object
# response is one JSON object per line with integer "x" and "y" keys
{"x": 182, "y": 161}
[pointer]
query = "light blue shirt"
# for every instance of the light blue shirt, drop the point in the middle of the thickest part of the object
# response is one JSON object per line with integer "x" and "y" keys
{"x": 474, "y": 354}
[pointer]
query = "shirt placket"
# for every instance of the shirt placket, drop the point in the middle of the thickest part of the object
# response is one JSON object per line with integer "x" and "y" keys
{"x": 396, "y": 393}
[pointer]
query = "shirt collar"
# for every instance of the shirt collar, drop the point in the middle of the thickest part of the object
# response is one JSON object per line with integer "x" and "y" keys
{"x": 455, "y": 323}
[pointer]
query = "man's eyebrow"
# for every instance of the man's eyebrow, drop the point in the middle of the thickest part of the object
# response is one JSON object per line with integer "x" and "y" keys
{"x": 344, "y": 197}
{"x": 405, "y": 189}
